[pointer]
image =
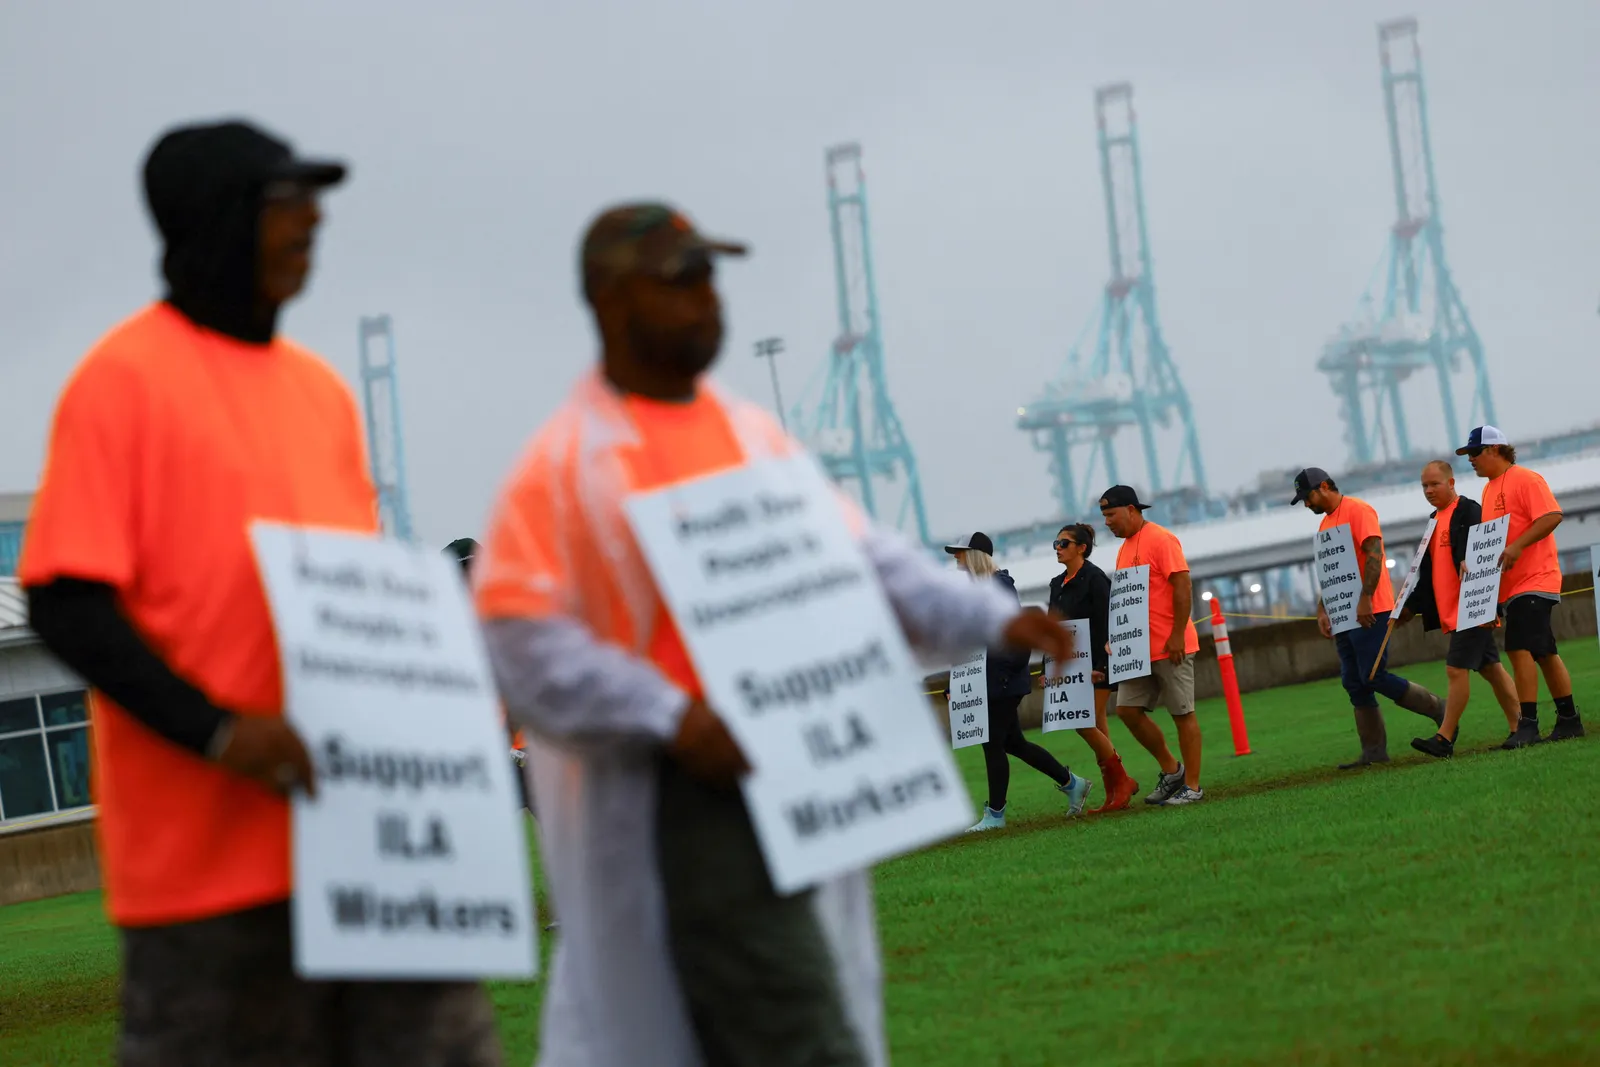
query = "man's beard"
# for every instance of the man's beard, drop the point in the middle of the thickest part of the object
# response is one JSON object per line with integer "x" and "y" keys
{"x": 689, "y": 351}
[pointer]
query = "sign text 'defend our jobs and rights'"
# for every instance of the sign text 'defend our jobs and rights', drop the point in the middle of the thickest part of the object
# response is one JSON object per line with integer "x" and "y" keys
{"x": 1338, "y": 570}
{"x": 411, "y": 861}
{"x": 1129, "y": 634}
{"x": 1479, "y": 599}
{"x": 969, "y": 700}
{"x": 799, "y": 652}
{"x": 1069, "y": 687}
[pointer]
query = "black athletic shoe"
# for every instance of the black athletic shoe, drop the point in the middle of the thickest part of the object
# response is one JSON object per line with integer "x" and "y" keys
{"x": 1526, "y": 733}
{"x": 1566, "y": 728}
{"x": 1436, "y": 746}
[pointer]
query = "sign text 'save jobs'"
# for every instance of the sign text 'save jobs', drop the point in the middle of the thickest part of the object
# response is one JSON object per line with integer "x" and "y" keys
{"x": 1129, "y": 633}
{"x": 411, "y": 861}
{"x": 969, "y": 700}
{"x": 799, "y": 651}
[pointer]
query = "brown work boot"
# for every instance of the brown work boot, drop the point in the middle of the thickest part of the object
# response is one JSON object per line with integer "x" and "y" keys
{"x": 1374, "y": 739}
{"x": 1120, "y": 789}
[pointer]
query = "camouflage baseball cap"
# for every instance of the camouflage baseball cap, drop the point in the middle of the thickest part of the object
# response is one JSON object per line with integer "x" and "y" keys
{"x": 648, "y": 238}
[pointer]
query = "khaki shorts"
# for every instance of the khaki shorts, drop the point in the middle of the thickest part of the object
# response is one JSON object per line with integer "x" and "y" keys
{"x": 1166, "y": 686}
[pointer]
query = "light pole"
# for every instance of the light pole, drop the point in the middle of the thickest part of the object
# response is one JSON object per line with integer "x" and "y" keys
{"x": 769, "y": 347}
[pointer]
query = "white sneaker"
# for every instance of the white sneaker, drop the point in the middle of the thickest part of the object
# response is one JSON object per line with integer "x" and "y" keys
{"x": 992, "y": 820}
{"x": 1166, "y": 786}
{"x": 1184, "y": 796}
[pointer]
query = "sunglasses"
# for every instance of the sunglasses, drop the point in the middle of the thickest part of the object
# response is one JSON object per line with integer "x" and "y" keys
{"x": 1474, "y": 453}
{"x": 1063, "y": 542}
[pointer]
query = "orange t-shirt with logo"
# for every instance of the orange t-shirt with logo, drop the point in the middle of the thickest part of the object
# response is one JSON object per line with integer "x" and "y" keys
{"x": 1442, "y": 568}
{"x": 676, "y": 442}
{"x": 1159, "y": 548}
{"x": 1524, "y": 495}
{"x": 168, "y": 440}
{"x": 1363, "y": 520}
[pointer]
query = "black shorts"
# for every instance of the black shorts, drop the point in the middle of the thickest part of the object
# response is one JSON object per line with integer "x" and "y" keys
{"x": 1472, "y": 650}
{"x": 1528, "y": 625}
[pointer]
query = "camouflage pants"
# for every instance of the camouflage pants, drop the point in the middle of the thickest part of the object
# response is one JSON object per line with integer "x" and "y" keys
{"x": 222, "y": 993}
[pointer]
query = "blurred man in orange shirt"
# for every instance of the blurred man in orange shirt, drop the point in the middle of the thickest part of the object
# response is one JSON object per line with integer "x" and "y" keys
{"x": 184, "y": 424}
{"x": 1530, "y": 588}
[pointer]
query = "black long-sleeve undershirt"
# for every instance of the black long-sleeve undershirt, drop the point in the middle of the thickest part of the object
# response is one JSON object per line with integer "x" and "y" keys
{"x": 81, "y": 624}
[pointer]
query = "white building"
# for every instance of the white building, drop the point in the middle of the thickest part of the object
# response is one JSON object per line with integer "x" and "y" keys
{"x": 44, "y": 731}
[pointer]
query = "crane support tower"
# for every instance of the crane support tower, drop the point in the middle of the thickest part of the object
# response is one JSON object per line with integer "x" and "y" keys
{"x": 381, "y": 392}
{"x": 1128, "y": 379}
{"x": 1421, "y": 323}
{"x": 853, "y": 428}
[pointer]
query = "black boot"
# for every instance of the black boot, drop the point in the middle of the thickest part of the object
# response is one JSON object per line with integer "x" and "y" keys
{"x": 1374, "y": 739}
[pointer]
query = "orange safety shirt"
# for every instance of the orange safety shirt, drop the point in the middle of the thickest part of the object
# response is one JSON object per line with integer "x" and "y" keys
{"x": 1525, "y": 496}
{"x": 1160, "y": 549}
{"x": 1363, "y": 520}
{"x": 168, "y": 440}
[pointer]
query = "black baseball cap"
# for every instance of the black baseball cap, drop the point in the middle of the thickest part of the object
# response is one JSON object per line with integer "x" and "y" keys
{"x": 230, "y": 157}
{"x": 463, "y": 550}
{"x": 1307, "y": 481}
{"x": 978, "y": 542}
{"x": 1121, "y": 496}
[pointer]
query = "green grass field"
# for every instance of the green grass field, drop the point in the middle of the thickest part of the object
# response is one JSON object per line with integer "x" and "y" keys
{"x": 1419, "y": 913}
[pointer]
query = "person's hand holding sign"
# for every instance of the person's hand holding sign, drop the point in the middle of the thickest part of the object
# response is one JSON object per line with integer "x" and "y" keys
{"x": 1038, "y": 631}
{"x": 266, "y": 749}
{"x": 1508, "y": 558}
{"x": 705, "y": 748}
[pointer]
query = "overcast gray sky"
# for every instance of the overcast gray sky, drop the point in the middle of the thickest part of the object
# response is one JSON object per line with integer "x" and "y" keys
{"x": 483, "y": 135}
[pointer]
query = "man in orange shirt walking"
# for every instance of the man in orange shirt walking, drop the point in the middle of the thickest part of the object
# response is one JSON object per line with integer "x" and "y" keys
{"x": 1172, "y": 648}
{"x": 182, "y": 426}
{"x": 1359, "y": 648}
{"x": 1530, "y": 588}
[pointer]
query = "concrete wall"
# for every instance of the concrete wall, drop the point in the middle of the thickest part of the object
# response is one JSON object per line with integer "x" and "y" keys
{"x": 48, "y": 860}
{"x": 1265, "y": 657}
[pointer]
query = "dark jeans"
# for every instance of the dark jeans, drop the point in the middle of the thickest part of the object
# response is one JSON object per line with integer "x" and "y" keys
{"x": 755, "y": 967}
{"x": 1358, "y": 651}
{"x": 1006, "y": 740}
{"x": 222, "y": 992}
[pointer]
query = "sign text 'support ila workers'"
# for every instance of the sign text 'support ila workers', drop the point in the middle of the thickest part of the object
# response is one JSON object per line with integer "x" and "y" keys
{"x": 800, "y": 653}
{"x": 411, "y": 861}
{"x": 1069, "y": 695}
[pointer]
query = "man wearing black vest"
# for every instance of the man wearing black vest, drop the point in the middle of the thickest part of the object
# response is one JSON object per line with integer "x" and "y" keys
{"x": 1438, "y": 589}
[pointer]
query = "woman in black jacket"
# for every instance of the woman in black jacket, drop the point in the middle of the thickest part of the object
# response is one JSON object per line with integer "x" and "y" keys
{"x": 1083, "y": 591}
{"x": 1006, "y": 671}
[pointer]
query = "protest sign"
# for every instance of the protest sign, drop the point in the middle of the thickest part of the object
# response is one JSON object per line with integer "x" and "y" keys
{"x": 1069, "y": 695}
{"x": 969, "y": 700}
{"x": 1414, "y": 573}
{"x": 1338, "y": 574}
{"x": 799, "y": 651}
{"x": 1130, "y": 623}
{"x": 1480, "y": 580}
{"x": 411, "y": 861}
